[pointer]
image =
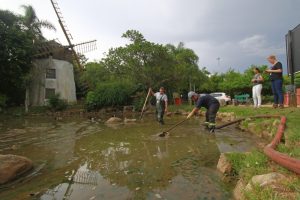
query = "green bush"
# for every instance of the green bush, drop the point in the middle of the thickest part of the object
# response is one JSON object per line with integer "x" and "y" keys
{"x": 3, "y": 100}
{"x": 267, "y": 99}
{"x": 117, "y": 93}
{"x": 57, "y": 104}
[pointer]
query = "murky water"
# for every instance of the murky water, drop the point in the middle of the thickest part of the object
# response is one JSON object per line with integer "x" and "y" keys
{"x": 80, "y": 159}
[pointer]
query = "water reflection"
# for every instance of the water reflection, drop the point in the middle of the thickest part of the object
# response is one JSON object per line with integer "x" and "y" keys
{"x": 93, "y": 161}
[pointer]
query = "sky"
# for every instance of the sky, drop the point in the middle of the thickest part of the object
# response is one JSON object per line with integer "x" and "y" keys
{"x": 239, "y": 32}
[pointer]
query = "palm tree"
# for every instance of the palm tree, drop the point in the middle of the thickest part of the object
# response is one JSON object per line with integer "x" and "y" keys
{"x": 33, "y": 23}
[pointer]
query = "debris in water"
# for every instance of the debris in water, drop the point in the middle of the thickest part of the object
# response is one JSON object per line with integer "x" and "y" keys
{"x": 92, "y": 198}
{"x": 138, "y": 188}
{"x": 158, "y": 196}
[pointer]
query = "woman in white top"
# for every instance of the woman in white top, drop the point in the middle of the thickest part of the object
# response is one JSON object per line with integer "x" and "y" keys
{"x": 257, "y": 87}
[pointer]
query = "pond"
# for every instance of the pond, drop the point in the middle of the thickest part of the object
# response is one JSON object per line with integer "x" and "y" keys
{"x": 80, "y": 159}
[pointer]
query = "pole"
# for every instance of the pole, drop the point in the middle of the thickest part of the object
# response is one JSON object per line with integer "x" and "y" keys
{"x": 145, "y": 104}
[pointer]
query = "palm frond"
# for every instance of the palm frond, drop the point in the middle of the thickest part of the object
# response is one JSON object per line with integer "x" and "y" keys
{"x": 46, "y": 24}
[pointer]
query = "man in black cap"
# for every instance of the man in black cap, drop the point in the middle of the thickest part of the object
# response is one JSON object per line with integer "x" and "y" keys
{"x": 210, "y": 103}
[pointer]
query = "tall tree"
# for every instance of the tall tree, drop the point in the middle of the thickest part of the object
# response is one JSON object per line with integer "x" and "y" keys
{"x": 17, "y": 34}
{"x": 33, "y": 23}
{"x": 15, "y": 56}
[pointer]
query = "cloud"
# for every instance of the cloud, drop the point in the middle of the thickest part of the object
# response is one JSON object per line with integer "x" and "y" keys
{"x": 241, "y": 33}
{"x": 257, "y": 45}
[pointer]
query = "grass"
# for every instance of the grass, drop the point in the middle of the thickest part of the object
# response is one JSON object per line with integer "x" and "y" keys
{"x": 248, "y": 165}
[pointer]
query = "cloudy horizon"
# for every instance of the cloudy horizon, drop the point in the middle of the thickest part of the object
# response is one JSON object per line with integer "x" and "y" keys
{"x": 240, "y": 33}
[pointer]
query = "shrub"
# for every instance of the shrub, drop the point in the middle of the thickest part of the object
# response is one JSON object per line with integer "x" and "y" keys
{"x": 267, "y": 99}
{"x": 57, "y": 104}
{"x": 117, "y": 93}
{"x": 3, "y": 100}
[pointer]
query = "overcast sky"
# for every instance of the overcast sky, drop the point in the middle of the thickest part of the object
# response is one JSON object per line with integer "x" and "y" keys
{"x": 239, "y": 32}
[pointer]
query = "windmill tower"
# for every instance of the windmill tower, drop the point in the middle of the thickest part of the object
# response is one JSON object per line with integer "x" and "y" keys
{"x": 53, "y": 72}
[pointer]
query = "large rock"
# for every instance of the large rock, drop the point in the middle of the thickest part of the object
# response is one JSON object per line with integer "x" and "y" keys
{"x": 224, "y": 166}
{"x": 265, "y": 180}
{"x": 12, "y": 166}
{"x": 113, "y": 120}
{"x": 238, "y": 192}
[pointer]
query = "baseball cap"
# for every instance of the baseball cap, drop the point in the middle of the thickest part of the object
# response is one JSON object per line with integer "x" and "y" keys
{"x": 191, "y": 93}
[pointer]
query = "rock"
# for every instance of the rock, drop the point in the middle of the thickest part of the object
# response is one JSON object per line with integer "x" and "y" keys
{"x": 126, "y": 120}
{"x": 224, "y": 166}
{"x": 238, "y": 192}
{"x": 14, "y": 147}
{"x": 113, "y": 120}
{"x": 12, "y": 166}
{"x": 265, "y": 180}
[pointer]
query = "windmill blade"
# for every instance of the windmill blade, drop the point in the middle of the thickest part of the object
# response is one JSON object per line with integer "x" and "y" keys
{"x": 66, "y": 32}
{"x": 85, "y": 47}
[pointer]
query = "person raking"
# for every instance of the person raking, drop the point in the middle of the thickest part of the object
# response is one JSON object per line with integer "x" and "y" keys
{"x": 161, "y": 104}
{"x": 210, "y": 103}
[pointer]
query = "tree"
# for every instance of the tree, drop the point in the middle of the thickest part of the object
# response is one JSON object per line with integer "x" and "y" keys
{"x": 15, "y": 56}
{"x": 33, "y": 23}
{"x": 17, "y": 34}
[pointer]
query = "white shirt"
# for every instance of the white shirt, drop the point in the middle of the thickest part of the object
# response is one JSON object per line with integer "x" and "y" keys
{"x": 160, "y": 96}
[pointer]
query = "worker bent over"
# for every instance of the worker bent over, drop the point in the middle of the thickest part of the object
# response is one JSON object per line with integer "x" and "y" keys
{"x": 210, "y": 103}
{"x": 161, "y": 104}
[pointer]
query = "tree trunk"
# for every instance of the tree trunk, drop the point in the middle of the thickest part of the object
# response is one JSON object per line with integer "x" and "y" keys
{"x": 26, "y": 100}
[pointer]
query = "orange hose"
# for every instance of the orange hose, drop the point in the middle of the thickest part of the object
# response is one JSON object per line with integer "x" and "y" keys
{"x": 281, "y": 158}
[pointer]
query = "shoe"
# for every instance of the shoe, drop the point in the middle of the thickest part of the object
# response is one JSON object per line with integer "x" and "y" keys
{"x": 211, "y": 127}
{"x": 206, "y": 124}
{"x": 275, "y": 105}
{"x": 281, "y": 106}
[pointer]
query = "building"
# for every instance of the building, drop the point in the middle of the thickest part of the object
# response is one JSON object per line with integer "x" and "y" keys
{"x": 52, "y": 73}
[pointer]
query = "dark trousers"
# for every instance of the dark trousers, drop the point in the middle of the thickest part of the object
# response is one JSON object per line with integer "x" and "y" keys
{"x": 277, "y": 91}
{"x": 211, "y": 113}
{"x": 160, "y": 116}
{"x": 160, "y": 111}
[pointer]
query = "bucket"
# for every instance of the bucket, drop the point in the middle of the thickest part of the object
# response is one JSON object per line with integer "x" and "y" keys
{"x": 287, "y": 99}
{"x": 177, "y": 101}
{"x": 298, "y": 96}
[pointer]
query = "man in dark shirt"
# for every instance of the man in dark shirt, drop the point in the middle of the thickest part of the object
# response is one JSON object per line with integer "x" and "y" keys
{"x": 210, "y": 103}
{"x": 276, "y": 80}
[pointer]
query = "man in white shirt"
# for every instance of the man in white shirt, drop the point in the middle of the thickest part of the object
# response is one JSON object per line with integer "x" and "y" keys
{"x": 161, "y": 104}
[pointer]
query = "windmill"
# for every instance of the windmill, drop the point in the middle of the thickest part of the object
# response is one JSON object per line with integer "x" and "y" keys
{"x": 47, "y": 77}
{"x": 51, "y": 47}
